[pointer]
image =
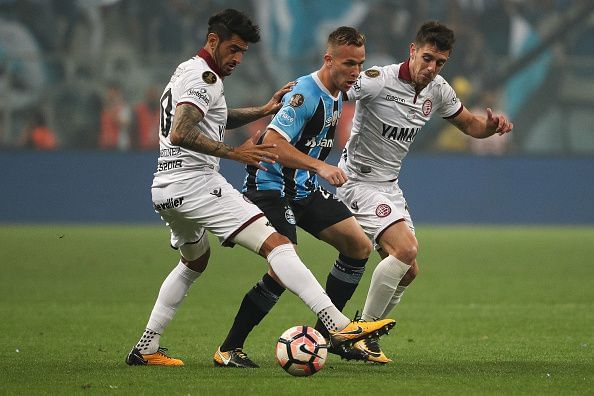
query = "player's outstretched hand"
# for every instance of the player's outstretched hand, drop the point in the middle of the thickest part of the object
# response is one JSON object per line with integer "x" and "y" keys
{"x": 498, "y": 123}
{"x": 333, "y": 175}
{"x": 274, "y": 104}
{"x": 251, "y": 153}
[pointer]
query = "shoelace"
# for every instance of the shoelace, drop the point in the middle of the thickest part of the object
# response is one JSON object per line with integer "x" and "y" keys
{"x": 162, "y": 350}
{"x": 241, "y": 354}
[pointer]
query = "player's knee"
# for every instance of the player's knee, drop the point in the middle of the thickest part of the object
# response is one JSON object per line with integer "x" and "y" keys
{"x": 407, "y": 253}
{"x": 255, "y": 235}
{"x": 195, "y": 255}
{"x": 274, "y": 240}
{"x": 359, "y": 248}
{"x": 198, "y": 265}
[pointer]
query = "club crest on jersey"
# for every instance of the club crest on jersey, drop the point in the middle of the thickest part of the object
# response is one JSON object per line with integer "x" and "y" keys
{"x": 427, "y": 106}
{"x": 296, "y": 100}
{"x": 209, "y": 77}
{"x": 290, "y": 216}
{"x": 382, "y": 210}
{"x": 372, "y": 73}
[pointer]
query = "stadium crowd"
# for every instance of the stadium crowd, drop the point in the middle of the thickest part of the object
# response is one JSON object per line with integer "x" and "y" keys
{"x": 81, "y": 74}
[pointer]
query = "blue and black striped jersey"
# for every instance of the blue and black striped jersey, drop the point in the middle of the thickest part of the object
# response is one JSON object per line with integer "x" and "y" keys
{"x": 308, "y": 121}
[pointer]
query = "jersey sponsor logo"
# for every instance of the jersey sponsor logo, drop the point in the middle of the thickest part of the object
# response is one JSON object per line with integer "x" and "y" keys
{"x": 372, "y": 73}
{"x": 355, "y": 205}
{"x": 169, "y": 203}
{"x": 400, "y": 134}
{"x": 290, "y": 216}
{"x": 427, "y": 106}
{"x": 383, "y": 210}
{"x": 393, "y": 98}
{"x": 209, "y": 77}
{"x": 454, "y": 100}
{"x": 170, "y": 152}
{"x": 200, "y": 94}
{"x": 311, "y": 143}
{"x": 286, "y": 117}
{"x": 296, "y": 100}
{"x": 167, "y": 165}
{"x": 332, "y": 120}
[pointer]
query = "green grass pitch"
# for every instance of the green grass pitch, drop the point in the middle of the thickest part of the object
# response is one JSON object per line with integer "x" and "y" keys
{"x": 495, "y": 310}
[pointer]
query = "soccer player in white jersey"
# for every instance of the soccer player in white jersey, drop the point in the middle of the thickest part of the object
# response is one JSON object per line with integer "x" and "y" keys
{"x": 192, "y": 197}
{"x": 393, "y": 104}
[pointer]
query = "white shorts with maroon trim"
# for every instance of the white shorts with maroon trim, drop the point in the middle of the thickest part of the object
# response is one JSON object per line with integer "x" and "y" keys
{"x": 376, "y": 205}
{"x": 207, "y": 201}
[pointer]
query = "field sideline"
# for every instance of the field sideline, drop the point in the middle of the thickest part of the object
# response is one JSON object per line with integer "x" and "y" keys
{"x": 495, "y": 310}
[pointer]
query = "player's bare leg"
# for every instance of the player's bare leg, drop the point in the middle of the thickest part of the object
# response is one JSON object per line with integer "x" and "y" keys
{"x": 390, "y": 278}
{"x": 172, "y": 293}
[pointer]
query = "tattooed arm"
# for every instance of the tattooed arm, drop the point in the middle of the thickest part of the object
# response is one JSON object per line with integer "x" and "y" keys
{"x": 240, "y": 117}
{"x": 185, "y": 133}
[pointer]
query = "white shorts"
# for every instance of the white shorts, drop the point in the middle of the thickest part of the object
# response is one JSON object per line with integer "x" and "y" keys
{"x": 205, "y": 202}
{"x": 376, "y": 206}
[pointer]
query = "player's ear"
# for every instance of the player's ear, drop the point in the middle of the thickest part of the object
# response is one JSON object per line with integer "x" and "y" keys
{"x": 412, "y": 48}
{"x": 328, "y": 60}
{"x": 212, "y": 40}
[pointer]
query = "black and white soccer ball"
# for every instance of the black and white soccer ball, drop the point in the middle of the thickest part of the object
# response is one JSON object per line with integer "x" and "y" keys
{"x": 301, "y": 351}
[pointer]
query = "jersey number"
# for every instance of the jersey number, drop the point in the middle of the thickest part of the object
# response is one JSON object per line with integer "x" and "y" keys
{"x": 166, "y": 106}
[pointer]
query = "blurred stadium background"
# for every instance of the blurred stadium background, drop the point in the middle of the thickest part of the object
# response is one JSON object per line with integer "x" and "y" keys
{"x": 80, "y": 82}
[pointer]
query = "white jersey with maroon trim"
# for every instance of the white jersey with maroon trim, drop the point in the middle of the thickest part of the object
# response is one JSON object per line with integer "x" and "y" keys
{"x": 194, "y": 82}
{"x": 388, "y": 117}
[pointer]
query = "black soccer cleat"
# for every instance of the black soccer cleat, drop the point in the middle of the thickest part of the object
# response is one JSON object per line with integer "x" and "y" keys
{"x": 348, "y": 352}
{"x": 233, "y": 358}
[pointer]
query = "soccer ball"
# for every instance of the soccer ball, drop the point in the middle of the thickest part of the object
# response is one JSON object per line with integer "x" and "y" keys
{"x": 301, "y": 351}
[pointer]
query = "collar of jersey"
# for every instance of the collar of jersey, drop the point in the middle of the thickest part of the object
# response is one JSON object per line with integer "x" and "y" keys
{"x": 404, "y": 71}
{"x": 210, "y": 62}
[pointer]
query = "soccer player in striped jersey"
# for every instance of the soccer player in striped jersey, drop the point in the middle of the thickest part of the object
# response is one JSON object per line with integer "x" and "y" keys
{"x": 393, "y": 104}
{"x": 288, "y": 191}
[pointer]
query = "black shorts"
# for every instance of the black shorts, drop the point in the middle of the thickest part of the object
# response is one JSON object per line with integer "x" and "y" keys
{"x": 320, "y": 210}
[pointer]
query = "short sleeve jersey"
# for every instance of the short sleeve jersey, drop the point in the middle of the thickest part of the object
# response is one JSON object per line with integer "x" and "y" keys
{"x": 194, "y": 82}
{"x": 308, "y": 121}
{"x": 388, "y": 117}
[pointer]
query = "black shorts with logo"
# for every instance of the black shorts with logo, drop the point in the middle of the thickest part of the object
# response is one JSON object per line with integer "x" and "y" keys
{"x": 320, "y": 210}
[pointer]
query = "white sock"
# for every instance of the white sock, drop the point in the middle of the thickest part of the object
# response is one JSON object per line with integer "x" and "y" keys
{"x": 333, "y": 319}
{"x": 173, "y": 290}
{"x": 394, "y": 300}
{"x": 298, "y": 279}
{"x": 384, "y": 281}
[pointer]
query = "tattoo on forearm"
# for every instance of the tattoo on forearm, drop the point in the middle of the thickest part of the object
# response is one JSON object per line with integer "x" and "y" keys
{"x": 193, "y": 138}
{"x": 240, "y": 117}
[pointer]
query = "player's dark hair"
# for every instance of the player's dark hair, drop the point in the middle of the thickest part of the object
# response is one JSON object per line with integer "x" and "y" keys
{"x": 346, "y": 35}
{"x": 435, "y": 33}
{"x": 229, "y": 22}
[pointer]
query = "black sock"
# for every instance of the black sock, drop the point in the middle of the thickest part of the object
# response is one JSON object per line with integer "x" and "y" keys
{"x": 341, "y": 283}
{"x": 254, "y": 307}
